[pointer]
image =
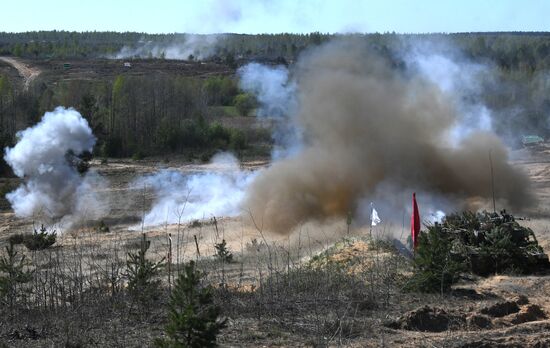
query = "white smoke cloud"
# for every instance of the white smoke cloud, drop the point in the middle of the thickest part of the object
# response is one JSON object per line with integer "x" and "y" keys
{"x": 460, "y": 79}
{"x": 199, "y": 46}
{"x": 52, "y": 186}
{"x": 276, "y": 93}
{"x": 186, "y": 197}
{"x": 271, "y": 86}
{"x": 221, "y": 190}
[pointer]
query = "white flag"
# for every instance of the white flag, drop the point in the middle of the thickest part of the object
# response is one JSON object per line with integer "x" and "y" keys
{"x": 374, "y": 219}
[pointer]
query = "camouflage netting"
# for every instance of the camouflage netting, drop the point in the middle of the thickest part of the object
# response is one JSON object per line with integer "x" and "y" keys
{"x": 492, "y": 243}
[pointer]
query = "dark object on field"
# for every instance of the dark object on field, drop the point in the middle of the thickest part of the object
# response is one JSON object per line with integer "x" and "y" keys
{"x": 16, "y": 239}
{"x": 491, "y": 243}
{"x": 529, "y": 313}
{"x": 401, "y": 248}
{"x": 80, "y": 162}
{"x": 29, "y": 332}
{"x": 39, "y": 240}
{"x": 501, "y": 309}
{"x": 195, "y": 224}
{"x": 102, "y": 227}
{"x": 479, "y": 321}
{"x": 427, "y": 319}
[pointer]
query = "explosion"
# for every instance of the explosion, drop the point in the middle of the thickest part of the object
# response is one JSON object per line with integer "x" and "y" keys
{"x": 368, "y": 125}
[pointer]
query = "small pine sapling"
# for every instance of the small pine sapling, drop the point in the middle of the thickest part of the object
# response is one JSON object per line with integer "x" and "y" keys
{"x": 193, "y": 319}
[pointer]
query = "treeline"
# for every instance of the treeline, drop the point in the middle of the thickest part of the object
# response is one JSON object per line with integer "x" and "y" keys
{"x": 510, "y": 50}
{"x": 138, "y": 115}
{"x": 64, "y": 44}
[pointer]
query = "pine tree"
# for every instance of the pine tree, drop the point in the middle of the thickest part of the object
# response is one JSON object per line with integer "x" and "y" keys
{"x": 222, "y": 252}
{"x": 194, "y": 320}
{"x": 12, "y": 274}
{"x": 141, "y": 272}
{"x": 435, "y": 269}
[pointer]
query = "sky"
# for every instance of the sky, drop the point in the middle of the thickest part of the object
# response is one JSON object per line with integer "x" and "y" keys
{"x": 275, "y": 16}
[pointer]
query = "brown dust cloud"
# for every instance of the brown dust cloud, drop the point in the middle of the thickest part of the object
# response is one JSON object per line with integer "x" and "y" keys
{"x": 367, "y": 124}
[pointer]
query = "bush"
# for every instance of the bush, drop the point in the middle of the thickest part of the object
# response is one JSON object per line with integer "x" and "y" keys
{"x": 12, "y": 273}
{"x": 102, "y": 227}
{"x": 223, "y": 253}
{"x": 141, "y": 273}
{"x": 495, "y": 243}
{"x": 220, "y": 90}
{"x": 194, "y": 320}
{"x": 219, "y": 136}
{"x": 138, "y": 155}
{"x": 16, "y": 239}
{"x": 40, "y": 240}
{"x": 199, "y": 133}
{"x": 244, "y": 103}
{"x": 481, "y": 243}
{"x": 435, "y": 269}
{"x": 237, "y": 140}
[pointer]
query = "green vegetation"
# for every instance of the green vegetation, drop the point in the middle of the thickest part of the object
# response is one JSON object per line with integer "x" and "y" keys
{"x": 226, "y": 111}
{"x": 496, "y": 243}
{"x": 222, "y": 252}
{"x": 435, "y": 268}
{"x": 244, "y": 103}
{"x": 175, "y": 117}
{"x": 194, "y": 319}
{"x": 150, "y": 114}
{"x": 65, "y": 44}
{"x": 141, "y": 273}
{"x": 13, "y": 273}
{"x": 38, "y": 240}
{"x": 478, "y": 243}
{"x": 102, "y": 227}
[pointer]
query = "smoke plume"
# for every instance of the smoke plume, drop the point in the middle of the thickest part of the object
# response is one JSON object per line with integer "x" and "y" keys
{"x": 42, "y": 158}
{"x": 371, "y": 130}
{"x": 198, "y": 46}
{"x": 462, "y": 81}
{"x": 183, "y": 197}
{"x": 276, "y": 95}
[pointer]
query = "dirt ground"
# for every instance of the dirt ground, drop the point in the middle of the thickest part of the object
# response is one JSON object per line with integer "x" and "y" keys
{"x": 499, "y": 311}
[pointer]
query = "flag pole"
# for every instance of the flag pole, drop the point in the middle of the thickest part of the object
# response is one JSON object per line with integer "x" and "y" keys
{"x": 371, "y": 212}
{"x": 415, "y": 222}
{"x": 492, "y": 182}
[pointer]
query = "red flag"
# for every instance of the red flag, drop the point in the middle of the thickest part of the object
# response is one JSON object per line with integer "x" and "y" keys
{"x": 415, "y": 222}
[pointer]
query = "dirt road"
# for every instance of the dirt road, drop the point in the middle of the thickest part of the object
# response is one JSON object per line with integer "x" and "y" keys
{"x": 28, "y": 73}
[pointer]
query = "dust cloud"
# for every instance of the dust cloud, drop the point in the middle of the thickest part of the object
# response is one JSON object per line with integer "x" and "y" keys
{"x": 372, "y": 129}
